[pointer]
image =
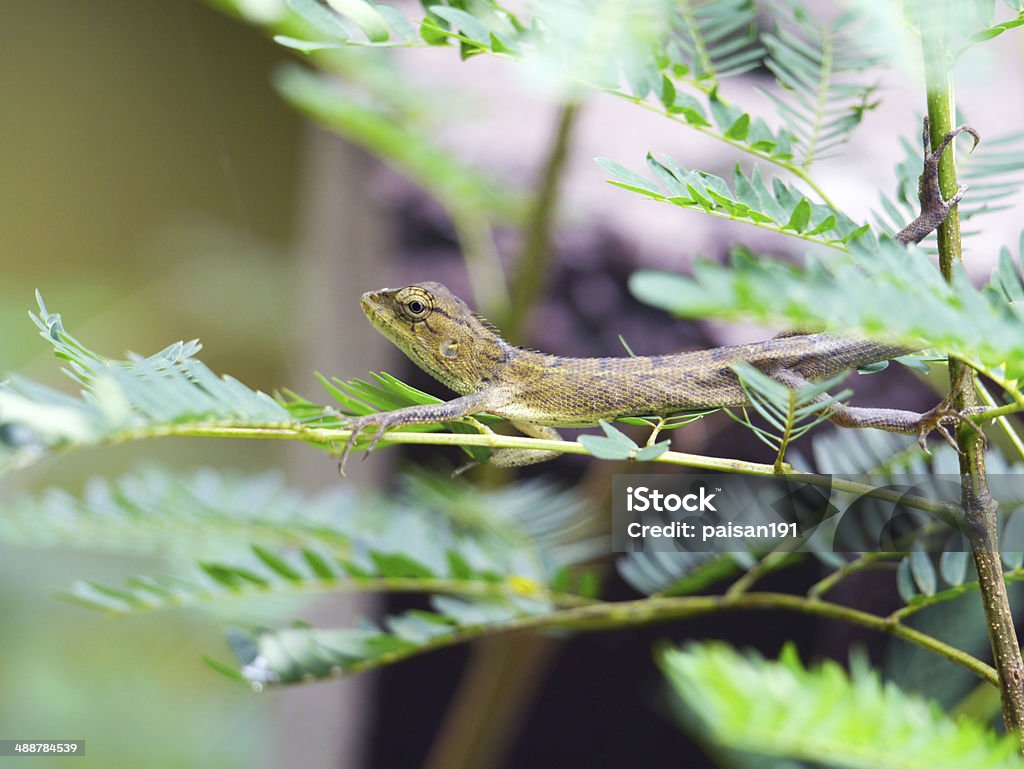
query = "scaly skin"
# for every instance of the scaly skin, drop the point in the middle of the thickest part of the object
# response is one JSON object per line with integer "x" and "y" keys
{"x": 538, "y": 392}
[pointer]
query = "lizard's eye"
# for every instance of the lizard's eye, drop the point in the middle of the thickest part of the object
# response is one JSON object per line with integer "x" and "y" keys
{"x": 415, "y": 303}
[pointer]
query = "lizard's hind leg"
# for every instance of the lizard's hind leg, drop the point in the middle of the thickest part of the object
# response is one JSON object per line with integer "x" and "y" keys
{"x": 890, "y": 420}
{"x": 523, "y": 457}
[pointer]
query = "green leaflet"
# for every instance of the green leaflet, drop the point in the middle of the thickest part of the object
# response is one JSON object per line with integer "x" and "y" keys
{"x": 773, "y": 205}
{"x": 169, "y": 388}
{"x": 879, "y": 290}
{"x": 822, "y": 714}
{"x": 821, "y": 69}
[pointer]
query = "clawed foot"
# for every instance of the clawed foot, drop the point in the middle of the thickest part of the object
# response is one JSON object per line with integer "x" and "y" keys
{"x": 928, "y": 187}
{"x": 356, "y": 425}
{"x": 938, "y": 418}
{"x": 934, "y": 208}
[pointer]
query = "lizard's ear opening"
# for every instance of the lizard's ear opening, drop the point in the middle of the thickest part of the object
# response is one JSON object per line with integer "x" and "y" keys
{"x": 449, "y": 348}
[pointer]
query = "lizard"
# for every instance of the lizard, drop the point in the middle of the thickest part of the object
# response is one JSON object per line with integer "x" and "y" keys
{"x": 539, "y": 393}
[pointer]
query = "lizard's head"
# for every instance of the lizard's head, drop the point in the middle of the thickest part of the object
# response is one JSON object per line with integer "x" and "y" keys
{"x": 439, "y": 332}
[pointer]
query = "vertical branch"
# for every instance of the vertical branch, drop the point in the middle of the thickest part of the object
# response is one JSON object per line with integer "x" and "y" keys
{"x": 483, "y": 267}
{"x": 494, "y": 695}
{"x": 531, "y": 270}
{"x": 979, "y": 506}
{"x": 504, "y": 673}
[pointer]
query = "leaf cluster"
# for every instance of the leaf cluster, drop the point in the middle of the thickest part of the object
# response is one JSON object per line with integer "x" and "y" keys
{"x": 484, "y": 556}
{"x": 775, "y": 205}
{"x": 887, "y": 292}
{"x": 119, "y": 396}
{"x": 821, "y": 714}
{"x": 678, "y": 53}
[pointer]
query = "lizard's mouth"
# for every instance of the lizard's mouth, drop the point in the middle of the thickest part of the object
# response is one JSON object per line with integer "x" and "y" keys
{"x": 371, "y": 304}
{"x": 376, "y": 309}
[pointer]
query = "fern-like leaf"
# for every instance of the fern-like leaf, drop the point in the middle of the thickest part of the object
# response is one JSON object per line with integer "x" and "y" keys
{"x": 309, "y": 571}
{"x": 632, "y": 50}
{"x": 884, "y": 291}
{"x": 168, "y": 388}
{"x": 201, "y": 514}
{"x": 790, "y": 413}
{"x": 302, "y": 654}
{"x": 991, "y": 30}
{"x": 679, "y": 573}
{"x": 773, "y": 205}
{"x": 712, "y": 40}
{"x": 530, "y": 530}
{"x": 820, "y": 67}
{"x": 822, "y": 715}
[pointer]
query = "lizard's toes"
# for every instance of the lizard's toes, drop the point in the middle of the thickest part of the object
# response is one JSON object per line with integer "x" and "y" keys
{"x": 947, "y": 436}
{"x": 463, "y": 468}
{"x": 375, "y": 441}
{"x": 974, "y": 135}
{"x": 345, "y": 452}
{"x": 355, "y": 426}
{"x": 923, "y": 442}
{"x": 961, "y": 191}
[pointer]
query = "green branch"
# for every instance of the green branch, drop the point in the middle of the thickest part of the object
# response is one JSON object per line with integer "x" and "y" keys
{"x": 864, "y": 562}
{"x": 83, "y": 593}
{"x": 1000, "y": 414}
{"x": 608, "y": 616}
{"x": 923, "y": 602}
{"x": 979, "y": 506}
{"x": 338, "y": 437}
{"x": 533, "y": 266}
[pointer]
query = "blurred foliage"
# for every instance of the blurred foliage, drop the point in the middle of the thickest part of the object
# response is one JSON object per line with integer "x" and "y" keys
{"x": 821, "y": 714}
{"x": 883, "y": 290}
{"x": 514, "y": 557}
{"x": 128, "y": 130}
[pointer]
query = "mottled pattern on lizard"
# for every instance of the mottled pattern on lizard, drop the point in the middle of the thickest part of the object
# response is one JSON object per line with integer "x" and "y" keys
{"x": 538, "y": 392}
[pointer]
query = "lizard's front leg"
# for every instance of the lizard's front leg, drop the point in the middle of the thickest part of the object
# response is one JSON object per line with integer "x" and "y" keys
{"x": 934, "y": 208}
{"x": 411, "y": 415}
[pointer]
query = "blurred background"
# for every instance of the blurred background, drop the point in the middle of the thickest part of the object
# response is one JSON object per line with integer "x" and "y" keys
{"x": 157, "y": 188}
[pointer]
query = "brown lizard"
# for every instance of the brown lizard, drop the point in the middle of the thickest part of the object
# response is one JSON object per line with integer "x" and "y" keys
{"x": 537, "y": 392}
